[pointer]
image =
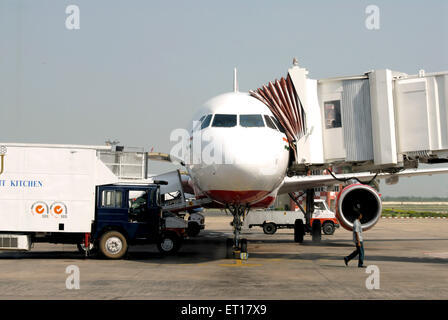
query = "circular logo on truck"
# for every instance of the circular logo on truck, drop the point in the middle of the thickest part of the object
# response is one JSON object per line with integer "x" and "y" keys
{"x": 58, "y": 210}
{"x": 40, "y": 209}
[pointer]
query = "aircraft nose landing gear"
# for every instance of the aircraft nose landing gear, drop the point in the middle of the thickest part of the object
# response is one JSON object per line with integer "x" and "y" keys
{"x": 237, "y": 248}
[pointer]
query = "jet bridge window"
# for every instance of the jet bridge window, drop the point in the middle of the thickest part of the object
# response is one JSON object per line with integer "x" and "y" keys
{"x": 251, "y": 120}
{"x": 224, "y": 120}
{"x": 269, "y": 122}
{"x": 332, "y": 114}
{"x": 206, "y": 121}
{"x": 111, "y": 199}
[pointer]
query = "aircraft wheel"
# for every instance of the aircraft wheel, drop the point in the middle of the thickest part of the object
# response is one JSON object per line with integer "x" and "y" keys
{"x": 229, "y": 248}
{"x": 299, "y": 231}
{"x": 316, "y": 231}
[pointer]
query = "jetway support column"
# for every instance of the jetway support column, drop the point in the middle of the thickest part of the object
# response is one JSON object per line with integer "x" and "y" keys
{"x": 315, "y": 228}
{"x": 309, "y": 208}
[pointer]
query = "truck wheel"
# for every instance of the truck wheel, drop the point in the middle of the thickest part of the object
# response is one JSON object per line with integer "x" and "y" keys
{"x": 193, "y": 229}
{"x": 328, "y": 228}
{"x": 299, "y": 230}
{"x": 316, "y": 231}
{"x": 168, "y": 243}
{"x": 113, "y": 245}
{"x": 269, "y": 228}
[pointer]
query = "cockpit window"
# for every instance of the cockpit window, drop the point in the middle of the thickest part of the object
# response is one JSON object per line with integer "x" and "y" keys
{"x": 206, "y": 121}
{"x": 197, "y": 123}
{"x": 279, "y": 126}
{"x": 224, "y": 120}
{"x": 251, "y": 120}
{"x": 269, "y": 122}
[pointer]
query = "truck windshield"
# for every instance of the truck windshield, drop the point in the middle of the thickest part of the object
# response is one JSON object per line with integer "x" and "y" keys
{"x": 319, "y": 206}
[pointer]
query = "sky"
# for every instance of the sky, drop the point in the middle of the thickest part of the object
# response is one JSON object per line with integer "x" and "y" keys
{"x": 136, "y": 70}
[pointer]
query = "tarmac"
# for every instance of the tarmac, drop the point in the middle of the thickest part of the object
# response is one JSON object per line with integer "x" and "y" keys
{"x": 408, "y": 259}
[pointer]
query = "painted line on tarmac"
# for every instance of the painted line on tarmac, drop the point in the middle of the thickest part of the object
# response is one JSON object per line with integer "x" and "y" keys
{"x": 413, "y": 217}
{"x": 440, "y": 255}
{"x": 239, "y": 263}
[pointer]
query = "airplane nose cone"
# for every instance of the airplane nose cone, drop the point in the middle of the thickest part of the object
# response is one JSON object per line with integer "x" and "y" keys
{"x": 245, "y": 171}
{"x": 237, "y": 183}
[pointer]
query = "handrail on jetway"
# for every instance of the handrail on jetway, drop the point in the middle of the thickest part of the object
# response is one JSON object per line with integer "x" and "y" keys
{"x": 382, "y": 120}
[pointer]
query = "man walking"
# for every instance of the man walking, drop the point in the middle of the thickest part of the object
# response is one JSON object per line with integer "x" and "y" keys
{"x": 357, "y": 238}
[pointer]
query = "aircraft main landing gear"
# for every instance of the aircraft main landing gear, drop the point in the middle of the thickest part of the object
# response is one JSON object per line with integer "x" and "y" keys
{"x": 316, "y": 231}
{"x": 301, "y": 228}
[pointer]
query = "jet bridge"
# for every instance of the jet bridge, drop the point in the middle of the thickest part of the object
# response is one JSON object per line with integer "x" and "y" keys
{"x": 382, "y": 120}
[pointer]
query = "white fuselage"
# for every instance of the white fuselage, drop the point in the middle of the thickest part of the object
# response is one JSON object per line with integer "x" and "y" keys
{"x": 241, "y": 159}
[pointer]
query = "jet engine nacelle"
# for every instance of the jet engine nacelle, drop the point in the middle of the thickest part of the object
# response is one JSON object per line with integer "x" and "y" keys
{"x": 362, "y": 198}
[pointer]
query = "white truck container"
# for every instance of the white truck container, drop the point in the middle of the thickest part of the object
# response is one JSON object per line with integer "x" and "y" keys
{"x": 50, "y": 188}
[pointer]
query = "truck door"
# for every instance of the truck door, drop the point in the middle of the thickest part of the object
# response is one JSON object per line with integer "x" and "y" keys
{"x": 110, "y": 205}
{"x": 144, "y": 210}
{"x": 138, "y": 205}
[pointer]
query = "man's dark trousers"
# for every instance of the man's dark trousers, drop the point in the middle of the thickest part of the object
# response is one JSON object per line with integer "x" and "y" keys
{"x": 359, "y": 251}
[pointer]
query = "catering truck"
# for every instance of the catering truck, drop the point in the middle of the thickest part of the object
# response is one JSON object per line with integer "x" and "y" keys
{"x": 67, "y": 194}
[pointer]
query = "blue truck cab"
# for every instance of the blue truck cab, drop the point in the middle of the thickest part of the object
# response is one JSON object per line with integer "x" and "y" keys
{"x": 130, "y": 214}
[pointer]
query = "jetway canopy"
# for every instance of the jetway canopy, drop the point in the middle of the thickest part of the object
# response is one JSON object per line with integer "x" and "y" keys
{"x": 382, "y": 120}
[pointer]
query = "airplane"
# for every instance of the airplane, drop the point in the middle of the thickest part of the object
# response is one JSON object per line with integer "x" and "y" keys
{"x": 242, "y": 163}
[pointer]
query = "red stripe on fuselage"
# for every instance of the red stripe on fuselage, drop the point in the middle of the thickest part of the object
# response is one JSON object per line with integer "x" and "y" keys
{"x": 265, "y": 203}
